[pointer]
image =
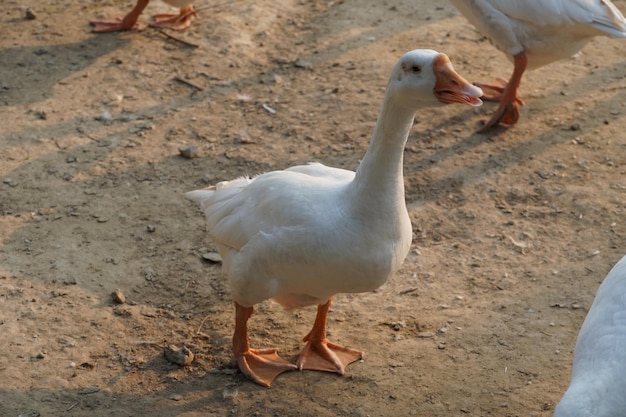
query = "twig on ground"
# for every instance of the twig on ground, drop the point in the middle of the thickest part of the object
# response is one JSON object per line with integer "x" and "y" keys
{"x": 193, "y": 45}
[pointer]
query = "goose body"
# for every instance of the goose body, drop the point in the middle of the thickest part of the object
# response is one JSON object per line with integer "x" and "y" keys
{"x": 171, "y": 21}
{"x": 306, "y": 233}
{"x": 534, "y": 33}
{"x": 268, "y": 227}
{"x": 598, "y": 382}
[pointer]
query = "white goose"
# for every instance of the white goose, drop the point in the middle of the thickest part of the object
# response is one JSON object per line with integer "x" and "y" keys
{"x": 309, "y": 232}
{"x": 533, "y": 33}
{"x": 598, "y": 384}
{"x": 171, "y": 21}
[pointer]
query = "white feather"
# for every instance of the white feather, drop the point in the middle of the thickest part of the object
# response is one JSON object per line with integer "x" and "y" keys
{"x": 598, "y": 383}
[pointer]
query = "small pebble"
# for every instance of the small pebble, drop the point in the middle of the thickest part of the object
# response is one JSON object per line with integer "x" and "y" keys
{"x": 304, "y": 64}
{"x": 212, "y": 257}
{"x": 188, "y": 152}
{"x": 243, "y": 137}
{"x": 105, "y": 116}
{"x": 180, "y": 356}
{"x": 118, "y": 297}
{"x": 30, "y": 15}
{"x": 227, "y": 393}
{"x": 89, "y": 390}
{"x": 150, "y": 228}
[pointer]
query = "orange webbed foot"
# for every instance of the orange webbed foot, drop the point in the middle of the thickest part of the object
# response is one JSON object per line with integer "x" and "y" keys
{"x": 175, "y": 21}
{"x": 263, "y": 365}
{"x": 506, "y": 114}
{"x": 117, "y": 25}
{"x": 320, "y": 354}
{"x": 326, "y": 356}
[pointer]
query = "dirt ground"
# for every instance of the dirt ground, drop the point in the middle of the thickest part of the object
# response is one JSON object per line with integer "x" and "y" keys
{"x": 513, "y": 230}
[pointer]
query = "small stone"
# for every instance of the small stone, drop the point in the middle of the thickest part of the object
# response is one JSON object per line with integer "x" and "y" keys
{"x": 212, "y": 257}
{"x": 150, "y": 228}
{"x": 304, "y": 64}
{"x": 398, "y": 325}
{"x": 118, "y": 297}
{"x": 188, "y": 152}
{"x": 149, "y": 274}
{"x": 180, "y": 356}
{"x": 70, "y": 281}
{"x": 89, "y": 390}
{"x": 425, "y": 335}
{"x": 243, "y": 137}
{"x": 176, "y": 397}
{"x": 30, "y": 15}
{"x": 105, "y": 116}
{"x": 228, "y": 393}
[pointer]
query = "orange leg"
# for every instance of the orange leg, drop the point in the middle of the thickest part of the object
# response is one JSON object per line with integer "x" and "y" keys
{"x": 506, "y": 93}
{"x": 493, "y": 91}
{"x": 175, "y": 21}
{"x": 128, "y": 22}
{"x": 260, "y": 365}
{"x": 320, "y": 354}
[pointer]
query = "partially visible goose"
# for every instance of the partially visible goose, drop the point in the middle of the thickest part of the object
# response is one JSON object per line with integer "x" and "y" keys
{"x": 533, "y": 33}
{"x": 172, "y": 21}
{"x": 304, "y": 234}
{"x": 598, "y": 384}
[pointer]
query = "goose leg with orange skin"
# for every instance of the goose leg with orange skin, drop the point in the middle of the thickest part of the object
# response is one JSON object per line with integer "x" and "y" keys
{"x": 506, "y": 93}
{"x": 260, "y": 365}
{"x": 127, "y": 23}
{"x": 175, "y": 21}
{"x": 320, "y": 354}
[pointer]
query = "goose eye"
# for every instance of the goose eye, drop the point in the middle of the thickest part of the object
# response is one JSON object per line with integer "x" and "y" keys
{"x": 416, "y": 69}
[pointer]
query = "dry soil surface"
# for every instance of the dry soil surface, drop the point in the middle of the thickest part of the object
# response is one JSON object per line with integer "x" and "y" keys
{"x": 513, "y": 230}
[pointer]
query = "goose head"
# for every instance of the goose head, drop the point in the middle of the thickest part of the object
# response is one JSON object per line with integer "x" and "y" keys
{"x": 426, "y": 78}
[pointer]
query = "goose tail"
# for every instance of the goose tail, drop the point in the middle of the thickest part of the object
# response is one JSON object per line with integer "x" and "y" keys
{"x": 200, "y": 196}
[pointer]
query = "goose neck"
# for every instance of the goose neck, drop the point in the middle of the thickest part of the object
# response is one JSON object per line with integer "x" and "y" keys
{"x": 381, "y": 167}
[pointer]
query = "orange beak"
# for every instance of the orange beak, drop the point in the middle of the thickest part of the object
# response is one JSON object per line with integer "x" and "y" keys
{"x": 451, "y": 87}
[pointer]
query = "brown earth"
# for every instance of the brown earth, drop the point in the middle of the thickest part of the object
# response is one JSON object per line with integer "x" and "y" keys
{"x": 514, "y": 230}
